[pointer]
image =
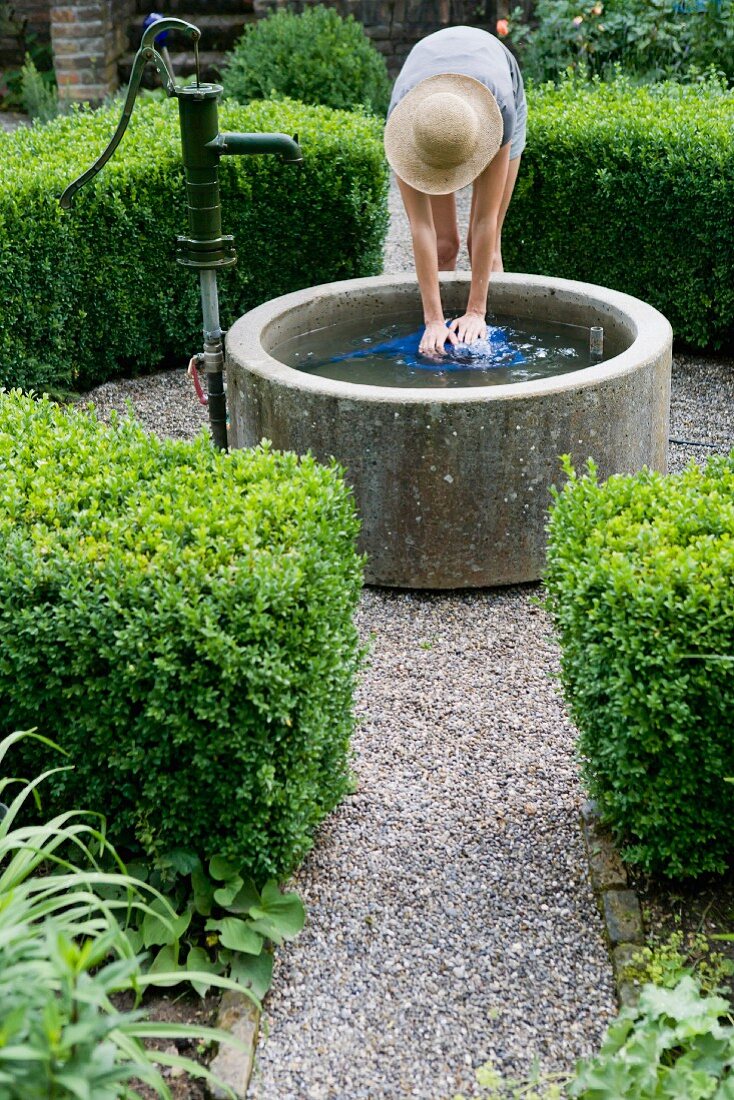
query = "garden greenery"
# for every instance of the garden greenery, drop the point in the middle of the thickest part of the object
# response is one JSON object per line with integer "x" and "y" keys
{"x": 649, "y": 40}
{"x": 179, "y": 620}
{"x": 314, "y": 56}
{"x": 40, "y": 95}
{"x": 675, "y": 1043}
{"x": 640, "y": 580}
{"x": 94, "y": 291}
{"x": 632, "y": 188}
{"x": 64, "y": 954}
{"x": 226, "y": 925}
{"x": 664, "y": 962}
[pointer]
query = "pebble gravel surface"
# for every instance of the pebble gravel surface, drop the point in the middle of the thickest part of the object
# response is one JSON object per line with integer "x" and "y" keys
{"x": 450, "y": 917}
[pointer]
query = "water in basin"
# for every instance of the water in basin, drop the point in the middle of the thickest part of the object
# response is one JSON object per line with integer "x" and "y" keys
{"x": 384, "y": 352}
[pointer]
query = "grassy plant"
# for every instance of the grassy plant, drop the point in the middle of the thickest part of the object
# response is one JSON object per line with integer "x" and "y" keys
{"x": 39, "y": 96}
{"x": 64, "y": 954}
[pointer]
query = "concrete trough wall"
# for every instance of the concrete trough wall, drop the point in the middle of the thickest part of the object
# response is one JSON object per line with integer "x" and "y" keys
{"x": 453, "y": 485}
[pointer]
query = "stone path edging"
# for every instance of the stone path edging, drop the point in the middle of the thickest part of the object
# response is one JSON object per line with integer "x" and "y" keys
{"x": 241, "y": 1018}
{"x": 618, "y": 904}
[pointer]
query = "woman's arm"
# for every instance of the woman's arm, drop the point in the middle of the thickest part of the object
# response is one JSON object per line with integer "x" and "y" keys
{"x": 423, "y": 232}
{"x": 489, "y": 188}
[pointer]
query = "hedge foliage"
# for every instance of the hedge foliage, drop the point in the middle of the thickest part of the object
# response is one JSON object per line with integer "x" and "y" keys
{"x": 632, "y": 188}
{"x": 640, "y": 577}
{"x": 314, "y": 56}
{"x": 94, "y": 291}
{"x": 180, "y": 622}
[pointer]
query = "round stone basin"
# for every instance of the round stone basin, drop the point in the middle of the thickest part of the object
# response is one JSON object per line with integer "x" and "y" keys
{"x": 453, "y": 485}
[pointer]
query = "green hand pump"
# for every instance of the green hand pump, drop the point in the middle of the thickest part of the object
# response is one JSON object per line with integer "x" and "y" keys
{"x": 205, "y": 248}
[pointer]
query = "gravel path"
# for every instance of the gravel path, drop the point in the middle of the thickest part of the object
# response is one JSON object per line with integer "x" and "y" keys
{"x": 449, "y": 913}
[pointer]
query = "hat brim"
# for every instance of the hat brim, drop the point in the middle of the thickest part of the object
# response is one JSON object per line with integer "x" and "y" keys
{"x": 400, "y": 148}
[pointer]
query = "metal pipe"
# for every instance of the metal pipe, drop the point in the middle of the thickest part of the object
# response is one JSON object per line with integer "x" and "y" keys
{"x": 217, "y": 400}
{"x": 243, "y": 144}
{"x": 596, "y": 343}
{"x": 213, "y": 357}
{"x": 210, "y": 305}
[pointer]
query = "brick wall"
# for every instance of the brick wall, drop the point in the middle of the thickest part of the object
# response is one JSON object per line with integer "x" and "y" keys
{"x": 21, "y": 21}
{"x": 87, "y": 38}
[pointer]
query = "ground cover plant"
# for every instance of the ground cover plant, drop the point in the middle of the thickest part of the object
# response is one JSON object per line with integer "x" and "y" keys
{"x": 674, "y": 1043}
{"x": 314, "y": 56}
{"x": 224, "y": 925}
{"x": 639, "y": 575}
{"x": 180, "y": 621}
{"x": 71, "y": 319}
{"x": 632, "y": 188}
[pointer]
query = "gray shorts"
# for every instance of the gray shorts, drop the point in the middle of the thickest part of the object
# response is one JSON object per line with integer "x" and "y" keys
{"x": 517, "y": 144}
{"x": 521, "y": 124}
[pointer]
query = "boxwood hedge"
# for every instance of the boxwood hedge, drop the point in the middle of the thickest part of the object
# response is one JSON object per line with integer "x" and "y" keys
{"x": 180, "y": 622}
{"x": 640, "y": 577}
{"x": 95, "y": 291}
{"x": 633, "y": 188}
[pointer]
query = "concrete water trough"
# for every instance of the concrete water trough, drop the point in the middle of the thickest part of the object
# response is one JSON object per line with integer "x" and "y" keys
{"x": 452, "y": 485}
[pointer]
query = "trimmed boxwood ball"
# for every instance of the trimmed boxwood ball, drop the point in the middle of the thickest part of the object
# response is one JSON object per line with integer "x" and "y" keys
{"x": 640, "y": 580}
{"x": 94, "y": 292}
{"x": 632, "y": 188}
{"x": 314, "y": 56}
{"x": 180, "y": 622}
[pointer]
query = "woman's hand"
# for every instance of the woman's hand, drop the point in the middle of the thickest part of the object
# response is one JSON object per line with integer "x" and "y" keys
{"x": 434, "y": 338}
{"x": 469, "y": 328}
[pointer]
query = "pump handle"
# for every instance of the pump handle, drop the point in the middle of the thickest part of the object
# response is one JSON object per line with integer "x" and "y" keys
{"x": 146, "y": 53}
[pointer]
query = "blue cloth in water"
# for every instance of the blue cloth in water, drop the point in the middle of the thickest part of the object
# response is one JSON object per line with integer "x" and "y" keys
{"x": 494, "y": 351}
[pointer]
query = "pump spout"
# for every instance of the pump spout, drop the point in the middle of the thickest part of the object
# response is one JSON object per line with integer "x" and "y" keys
{"x": 241, "y": 144}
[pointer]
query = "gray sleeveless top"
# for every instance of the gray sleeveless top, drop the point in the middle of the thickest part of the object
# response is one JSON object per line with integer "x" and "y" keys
{"x": 471, "y": 52}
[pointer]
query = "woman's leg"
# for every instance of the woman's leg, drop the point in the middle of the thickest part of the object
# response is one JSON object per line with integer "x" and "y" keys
{"x": 443, "y": 208}
{"x": 512, "y": 170}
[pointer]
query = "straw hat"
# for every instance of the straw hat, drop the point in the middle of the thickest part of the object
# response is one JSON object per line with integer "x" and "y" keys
{"x": 443, "y": 133}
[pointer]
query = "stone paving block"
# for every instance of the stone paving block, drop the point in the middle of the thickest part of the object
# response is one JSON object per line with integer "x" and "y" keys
{"x": 239, "y": 1016}
{"x": 623, "y": 917}
{"x": 622, "y": 957}
{"x": 605, "y": 864}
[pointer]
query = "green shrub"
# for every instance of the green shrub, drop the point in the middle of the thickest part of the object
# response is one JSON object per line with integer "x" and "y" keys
{"x": 179, "y": 620}
{"x": 95, "y": 291}
{"x": 314, "y": 56}
{"x": 633, "y": 189}
{"x": 640, "y": 578}
{"x": 649, "y": 39}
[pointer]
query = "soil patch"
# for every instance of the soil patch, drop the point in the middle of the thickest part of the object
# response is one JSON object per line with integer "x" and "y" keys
{"x": 178, "y": 1008}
